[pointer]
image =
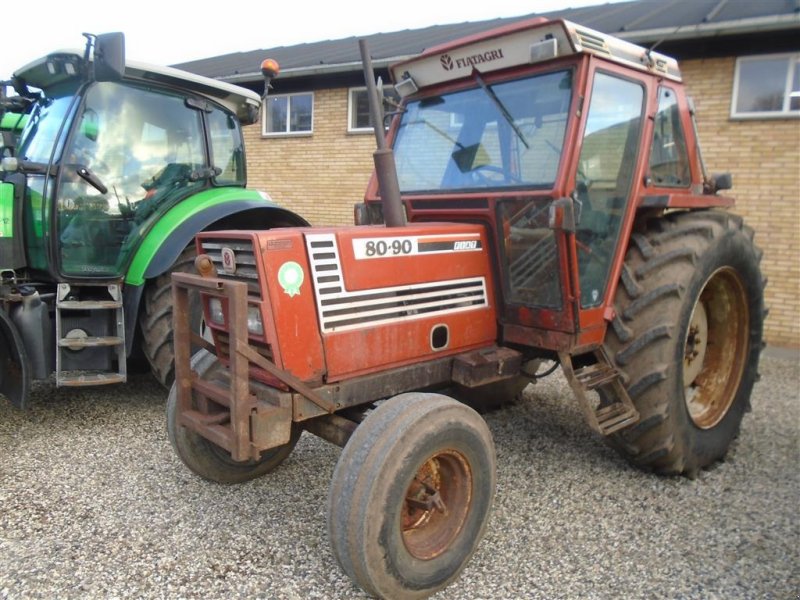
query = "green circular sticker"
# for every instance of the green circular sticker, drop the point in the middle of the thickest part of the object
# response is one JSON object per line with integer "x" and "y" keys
{"x": 291, "y": 277}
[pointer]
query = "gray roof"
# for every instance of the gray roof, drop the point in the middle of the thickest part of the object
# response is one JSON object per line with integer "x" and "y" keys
{"x": 639, "y": 21}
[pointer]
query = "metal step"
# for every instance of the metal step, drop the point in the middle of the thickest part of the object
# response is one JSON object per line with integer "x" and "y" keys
{"x": 594, "y": 376}
{"x": 614, "y": 417}
{"x": 92, "y": 339}
{"x": 89, "y": 304}
{"x": 602, "y": 374}
{"x": 90, "y": 342}
{"x": 84, "y": 378}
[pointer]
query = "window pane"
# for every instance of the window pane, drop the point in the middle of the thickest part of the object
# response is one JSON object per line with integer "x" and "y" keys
{"x": 360, "y": 110}
{"x": 359, "y": 107}
{"x": 300, "y": 112}
{"x": 277, "y": 110}
{"x": 226, "y": 148}
{"x": 669, "y": 164}
{"x": 794, "y": 101}
{"x": 506, "y": 136}
{"x": 605, "y": 171}
{"x": 761, "y": 84}
{"x": 144, "y": 146}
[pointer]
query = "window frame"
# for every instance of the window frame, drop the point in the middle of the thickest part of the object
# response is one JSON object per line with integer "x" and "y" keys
{"x": 351, "y": 105}
{"x": 286, "y": 133}
{"x": 785, "y": 112}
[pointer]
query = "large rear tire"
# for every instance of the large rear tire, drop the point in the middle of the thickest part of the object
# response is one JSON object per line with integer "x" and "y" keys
{"x": 411, "y": 495}
{"x": 688, "y": 335}
{"x": 205, "y": 458}
{"x": 155, "y": 319}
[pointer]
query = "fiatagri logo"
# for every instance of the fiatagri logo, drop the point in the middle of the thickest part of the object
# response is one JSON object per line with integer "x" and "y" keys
{"x": 449, "y": 63}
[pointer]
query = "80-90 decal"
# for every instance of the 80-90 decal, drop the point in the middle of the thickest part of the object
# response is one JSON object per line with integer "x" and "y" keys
{"x": 390, "y": 247}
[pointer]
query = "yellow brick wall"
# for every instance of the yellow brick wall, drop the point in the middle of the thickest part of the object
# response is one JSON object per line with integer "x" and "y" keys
{"x": 322, "y": 175}
{"x": 764, "y": 157}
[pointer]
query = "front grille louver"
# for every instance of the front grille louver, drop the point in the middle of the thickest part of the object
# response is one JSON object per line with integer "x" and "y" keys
{"x": 340, "y": 309}
{"x": 246, "y": 267}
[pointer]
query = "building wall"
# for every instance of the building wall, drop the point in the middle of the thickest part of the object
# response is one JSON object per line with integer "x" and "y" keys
{"x": 764, "y": 157}
{"x": 319, "y": 176}
{"x": 322, "y": 175}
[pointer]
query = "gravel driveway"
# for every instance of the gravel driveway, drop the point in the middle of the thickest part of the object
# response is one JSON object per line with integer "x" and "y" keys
{"x": 93, "y": 503}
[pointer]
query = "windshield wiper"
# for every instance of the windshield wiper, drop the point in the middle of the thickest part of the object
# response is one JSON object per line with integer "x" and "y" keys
{"x": 500, "y": 106}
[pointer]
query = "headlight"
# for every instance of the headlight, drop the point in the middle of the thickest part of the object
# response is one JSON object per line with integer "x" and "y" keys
{"x": 254, "y": 324}
{"x": 215, "y": 311}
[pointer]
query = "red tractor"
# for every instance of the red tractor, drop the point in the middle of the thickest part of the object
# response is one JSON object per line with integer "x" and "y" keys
{"x": 542, "y": 198}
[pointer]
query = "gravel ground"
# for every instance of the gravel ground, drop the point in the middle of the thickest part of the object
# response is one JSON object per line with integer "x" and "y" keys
{"x": 93, "y": 503}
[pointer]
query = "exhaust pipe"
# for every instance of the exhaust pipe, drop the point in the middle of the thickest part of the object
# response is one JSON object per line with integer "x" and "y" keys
{"x": 385, "y": 170}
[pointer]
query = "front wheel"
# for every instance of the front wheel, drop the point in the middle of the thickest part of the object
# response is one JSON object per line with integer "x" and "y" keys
{"x": 155, "y": 320}
{"x": 411, "y": 495}
{"x": 688, "y": 335}
{"x": 205, "y": 458}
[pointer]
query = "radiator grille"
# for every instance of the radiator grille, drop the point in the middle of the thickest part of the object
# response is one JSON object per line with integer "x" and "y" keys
{"x": 246, "y": 268}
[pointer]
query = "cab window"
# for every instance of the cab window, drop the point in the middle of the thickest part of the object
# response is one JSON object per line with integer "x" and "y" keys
{"x": 669, "y": 162}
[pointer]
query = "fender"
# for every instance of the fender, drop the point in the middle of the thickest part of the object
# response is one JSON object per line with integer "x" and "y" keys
{"x": 15, "y": 369}
{"x": 216, "y": 208}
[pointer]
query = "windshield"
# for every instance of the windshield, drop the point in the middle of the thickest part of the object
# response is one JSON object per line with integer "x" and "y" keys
{"x": 132, "y": 153}
{"x": 39, "y": 136}
{"x": 502, "y": 135}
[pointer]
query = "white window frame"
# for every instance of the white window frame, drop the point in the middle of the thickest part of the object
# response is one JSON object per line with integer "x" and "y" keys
{"x": 794, "y": 57}
{"x": 265, "y": 107}
{"x": 351, "y": 107}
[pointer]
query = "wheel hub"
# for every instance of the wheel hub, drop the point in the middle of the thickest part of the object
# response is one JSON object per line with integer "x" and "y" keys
{"x": 716, "y": 348}
{"x": 436, "y": 504}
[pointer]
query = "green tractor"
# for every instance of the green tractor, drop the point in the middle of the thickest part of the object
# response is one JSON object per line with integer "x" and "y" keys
{"x": 109, "y": 169}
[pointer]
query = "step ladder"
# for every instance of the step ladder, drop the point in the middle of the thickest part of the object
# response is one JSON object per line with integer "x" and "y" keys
{"x": 601, "y": 375}
{"x": 90, "y": 334}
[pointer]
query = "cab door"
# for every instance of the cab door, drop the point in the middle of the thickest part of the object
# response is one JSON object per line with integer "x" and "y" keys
{"x": 607, "y": 177}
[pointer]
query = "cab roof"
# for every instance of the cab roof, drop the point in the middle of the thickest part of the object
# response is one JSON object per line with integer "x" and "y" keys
{"x": 55, "y": 68}
{"x": 525, "y": 42}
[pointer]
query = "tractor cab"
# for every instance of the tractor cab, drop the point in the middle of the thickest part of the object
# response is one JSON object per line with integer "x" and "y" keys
{"x": 105, "y": 152}
{"x": 541, "y": 131}
{"x": 109, "y": 169}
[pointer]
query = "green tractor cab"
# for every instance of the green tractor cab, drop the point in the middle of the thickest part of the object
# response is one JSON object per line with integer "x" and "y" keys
{"x": 109, "y": 169}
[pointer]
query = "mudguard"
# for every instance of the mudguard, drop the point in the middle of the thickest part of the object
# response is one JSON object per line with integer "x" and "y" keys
{"x": 220, "y": 208}
{"x": 15, "y": 373}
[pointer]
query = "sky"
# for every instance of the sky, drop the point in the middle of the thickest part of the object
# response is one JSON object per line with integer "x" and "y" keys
{"x": 172, "y": 31}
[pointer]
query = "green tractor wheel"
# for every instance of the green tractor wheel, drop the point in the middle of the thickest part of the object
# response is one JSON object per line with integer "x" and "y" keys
{"x": 155, "y": 319}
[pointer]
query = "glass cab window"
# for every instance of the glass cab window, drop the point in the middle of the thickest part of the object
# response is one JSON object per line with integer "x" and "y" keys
{"x": 503, "y": 135}
{"x": 227, "y": 148}
{"x": 131, "y": 152}
{"x": 669, "y": 162}
{"x": 605, "y": 172}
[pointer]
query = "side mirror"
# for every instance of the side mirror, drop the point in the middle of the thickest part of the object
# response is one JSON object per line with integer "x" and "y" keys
{"x": 722, "y": 181}
{"x": 109, "y": 56}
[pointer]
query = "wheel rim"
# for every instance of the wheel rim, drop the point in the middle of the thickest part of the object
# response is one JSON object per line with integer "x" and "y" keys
{"x": 715, "y": 348}
{"x": 436, "y": 504}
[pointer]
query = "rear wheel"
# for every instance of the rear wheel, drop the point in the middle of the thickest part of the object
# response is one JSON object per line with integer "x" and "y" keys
{"x": 205, "y": 458}
{"x": 411, "y": 495}
{"x": 688, "y": 334}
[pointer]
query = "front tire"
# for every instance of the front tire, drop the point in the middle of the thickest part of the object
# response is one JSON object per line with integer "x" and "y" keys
{"x": 411, "y": 495}
{"x": 206, "y": 459}
{"x": 155, "y": 320}
{"x": 688, "y": 335}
